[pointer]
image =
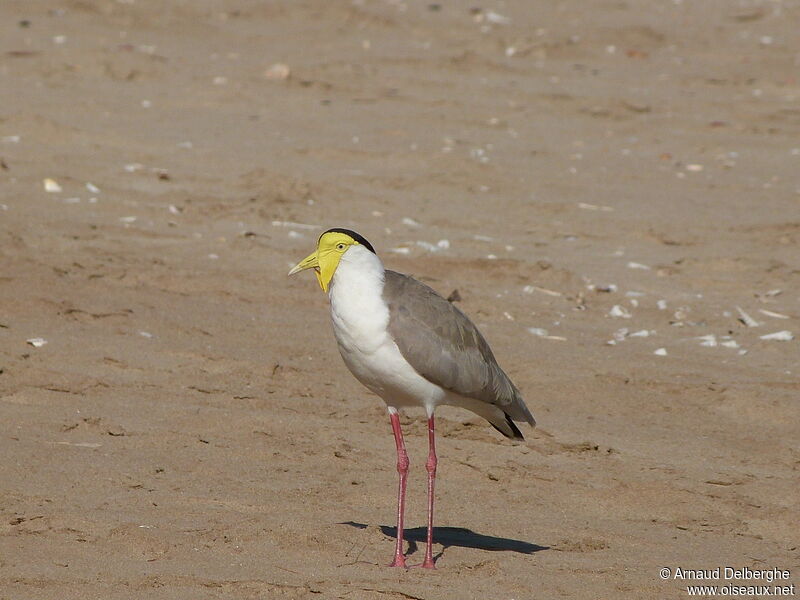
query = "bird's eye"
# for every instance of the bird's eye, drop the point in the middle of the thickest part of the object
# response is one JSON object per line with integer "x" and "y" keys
{"x": 340, "y": 246}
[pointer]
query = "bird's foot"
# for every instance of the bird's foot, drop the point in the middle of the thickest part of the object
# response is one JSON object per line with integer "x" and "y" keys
{"x": 399, "y": 561}
{"x": 426, "y": 564}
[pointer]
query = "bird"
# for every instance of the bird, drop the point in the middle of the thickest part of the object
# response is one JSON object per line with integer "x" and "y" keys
{"x": 412, "y": 348}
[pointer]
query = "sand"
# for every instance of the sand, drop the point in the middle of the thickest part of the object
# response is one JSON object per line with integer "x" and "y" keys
{"x": 573, "y": 169}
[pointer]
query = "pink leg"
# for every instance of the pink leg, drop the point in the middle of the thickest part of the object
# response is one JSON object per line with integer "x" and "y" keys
{"x": 402, "y": 470}
{"x": 430, "y": 465}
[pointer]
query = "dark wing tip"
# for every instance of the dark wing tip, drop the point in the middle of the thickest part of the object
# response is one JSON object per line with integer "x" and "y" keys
{"x": 514, "y": 433}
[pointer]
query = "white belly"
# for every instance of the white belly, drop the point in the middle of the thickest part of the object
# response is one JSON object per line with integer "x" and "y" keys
{"x": 385, "y": 372}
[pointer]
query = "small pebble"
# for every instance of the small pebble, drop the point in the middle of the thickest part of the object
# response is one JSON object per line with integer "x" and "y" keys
{"x": 37, "y": 342}
{"x": 51, "y": 186}
{"x": 661, "y": 352}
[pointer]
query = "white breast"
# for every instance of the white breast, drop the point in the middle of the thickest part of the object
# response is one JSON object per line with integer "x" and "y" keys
{"x": 360, "y": 323}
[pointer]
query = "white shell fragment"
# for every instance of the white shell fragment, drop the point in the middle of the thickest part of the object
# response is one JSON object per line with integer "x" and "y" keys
{"x": 529, "y": 289}
{"x": 618, "y": 311}
{"x": 408, "y": 221}
{"x": 642, "y": 333}
{"x": 747, "y": 319}
{"x": 427, "y": 246}
{"x": 586, "y": 206}
{"x": 497, "y": 18}
{"x": 293, "y": 224}
{"x": 662, "y": 305}
{"x": 709, "y": 341}
{"x": 779, "y": 336}
{"x": 92, "y": 188}
{"x": 51, "y": 186}
{"x": 37, "y": 342}
{"x": 775, "y": 315}
{"x": 730, "y": 344}
{"x": 636, "y": 265}
{"x": 661, "y": 352}
{"x": 538, "y": 331}
{"x": 278, "y": 72}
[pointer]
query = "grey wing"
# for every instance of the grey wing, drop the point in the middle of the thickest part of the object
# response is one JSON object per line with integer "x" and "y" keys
{"x": 446, "y": 348}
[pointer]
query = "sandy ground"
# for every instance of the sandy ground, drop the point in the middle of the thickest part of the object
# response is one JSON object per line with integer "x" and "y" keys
{"x": 189, "y": 430}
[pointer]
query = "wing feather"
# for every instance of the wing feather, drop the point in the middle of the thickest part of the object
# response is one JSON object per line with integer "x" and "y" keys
{"x": 446, "y": 348}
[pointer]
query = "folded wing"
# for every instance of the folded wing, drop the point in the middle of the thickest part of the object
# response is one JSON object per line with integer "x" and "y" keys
{"x": 446, "y": 348}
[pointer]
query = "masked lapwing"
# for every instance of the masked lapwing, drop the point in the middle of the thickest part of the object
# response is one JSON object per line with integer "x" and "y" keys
{"x": 411, "y": 347}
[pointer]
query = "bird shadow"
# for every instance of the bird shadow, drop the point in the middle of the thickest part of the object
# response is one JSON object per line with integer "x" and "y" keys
{"x": 456, "y": 536}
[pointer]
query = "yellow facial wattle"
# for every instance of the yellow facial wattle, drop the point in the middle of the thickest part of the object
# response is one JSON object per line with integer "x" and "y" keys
{"x": 324, "y": 260}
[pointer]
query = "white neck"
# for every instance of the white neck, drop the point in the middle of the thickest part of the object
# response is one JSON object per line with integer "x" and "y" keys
{"x": 359, "y": 313}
